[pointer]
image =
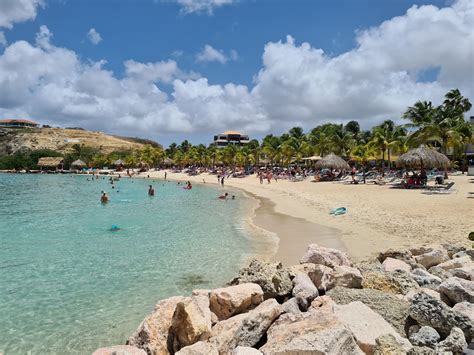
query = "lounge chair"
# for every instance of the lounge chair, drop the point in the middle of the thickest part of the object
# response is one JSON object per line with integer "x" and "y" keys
{"x": 435, "y": 190}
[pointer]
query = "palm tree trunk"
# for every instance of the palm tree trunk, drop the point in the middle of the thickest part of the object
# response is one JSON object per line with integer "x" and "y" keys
{"x": 444, "y": 149}
{"x": 383, "y": 162}
{"x": 389, "y": 161}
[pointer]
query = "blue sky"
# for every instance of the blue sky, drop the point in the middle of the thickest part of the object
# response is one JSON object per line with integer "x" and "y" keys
{"x": 195, "y": 100}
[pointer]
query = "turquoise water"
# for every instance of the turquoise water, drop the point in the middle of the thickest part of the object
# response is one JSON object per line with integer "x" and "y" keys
{"x": 70, "y": 285}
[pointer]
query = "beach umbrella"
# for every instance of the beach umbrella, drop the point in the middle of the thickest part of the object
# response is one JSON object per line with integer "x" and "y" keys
{"x": 50, "y": 162}
{"x": 313, "y": 158}
{"x": 78, "y": 163}
{"x": 423, "y": 158}
{"x": 332, "y": 161}
{"x": 119, "y": 162}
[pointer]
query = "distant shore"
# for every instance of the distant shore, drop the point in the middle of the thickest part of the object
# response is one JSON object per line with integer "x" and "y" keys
{"x": 378, "y": 217}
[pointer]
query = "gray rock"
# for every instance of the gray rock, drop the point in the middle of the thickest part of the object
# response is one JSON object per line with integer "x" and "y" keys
{"x": 429, "y": 311}
{"x": 425, "y": 279}
{"x": 453, "y": 249}
{"x": 466, "y": 273}
{"x": 463, "y": 261}
{"x": 399, "y": 254}
{"x": 273, "y": 278}
{"x": 420, "y": 250}
{"x": 304, "y": 291}
{"x": 393, "y": 309}
{"x": 422, "y": 350}
{"x": 432, "y": 258}
{"x": 291, "y": 306}
{"x": 321, "y": 276}
{"x": 426, "y": 336}
{"x": 465, "y": 308}
{"x": 370, "y": 266}
{"x": 245, "y": 350}
{"x": 345, "y": 276}
{"x": 457, "y": 290}
{"x": 439, "y": 272}
{"x": 199, "y": 348}
{"x": 325, "y": 256}
{"x": 454, "y": 343}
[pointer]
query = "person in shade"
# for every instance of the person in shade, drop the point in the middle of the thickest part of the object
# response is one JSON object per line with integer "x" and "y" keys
{"x": 151, "y": 191}
{"x": 104, "y": 198}
{"x": 223, "y": 197}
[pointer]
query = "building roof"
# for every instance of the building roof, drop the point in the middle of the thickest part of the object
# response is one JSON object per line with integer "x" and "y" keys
{"x": 232, "y": 132}
{"x": 18, "y": 121}
{"x": 50, "y": 161}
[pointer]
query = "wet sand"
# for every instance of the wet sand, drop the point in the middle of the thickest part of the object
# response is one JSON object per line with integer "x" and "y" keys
{"x": 295, "y": 234}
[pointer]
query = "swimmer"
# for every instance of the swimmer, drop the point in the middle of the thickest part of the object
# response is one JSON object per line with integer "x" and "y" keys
{"x": 223, "y": 197}
{"x": 233, "y": 197}
{"x": 104, "y": 198}
{"x": 151, "y": 191}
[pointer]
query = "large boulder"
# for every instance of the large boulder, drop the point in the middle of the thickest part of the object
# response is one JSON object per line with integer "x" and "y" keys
{"x": 391, "y": 264}
{"x": 387, "y": 344}
{"x": 397, "y": 282}
{"x": 304, "y": 290}
{"x": 466, "y": 273}
{"x": 227, "y": 301}
{"x": 426, "y": 336}
{"x": 463, "y": 261}
{"x": 152, "y": 334}
{"x": 425, "y": 279}
{"x": 325, "y": 256}
{"x": 393, "y": 309}
{"x": 366, "y": 325}
{"x": 432, "y": 258}
{"x": 199, "y": 348}
{"x": 304, "y": 268}
{"x": 439, "y": 272}
{"x": 455, "y": 343}
{"x": 321, "y": 276}
{"x": 403, "y": 255}
{"x": 457, "y": 290}
{"x": 191, "y": 322}
{"x": 119, "y": 350}
{"x": 410, "y": 295}
{"x": 273, "y": 278}
{"x": 427, "y": 310}
{"x": 245, "y": 329}
{"x": 310, "y": 333}
{"x": 466, "y": 309}
{"x": 345, "y": 276}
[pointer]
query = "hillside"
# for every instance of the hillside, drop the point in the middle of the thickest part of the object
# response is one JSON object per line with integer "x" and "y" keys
{"x": 13, "y": 140}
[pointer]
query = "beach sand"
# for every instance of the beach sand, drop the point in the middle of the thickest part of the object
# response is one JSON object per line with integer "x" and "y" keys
{"x": 378, "y": 217}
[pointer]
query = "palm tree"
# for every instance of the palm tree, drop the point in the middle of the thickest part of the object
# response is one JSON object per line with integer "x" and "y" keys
{"x": 362, "y": 153}
{"x": 386, "y": 138}
{"x": 342, "y": 141}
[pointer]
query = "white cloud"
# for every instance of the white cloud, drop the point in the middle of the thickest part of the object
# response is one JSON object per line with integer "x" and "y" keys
{"x": 3, "y": 40}
{"x": 202, "y": 6}
{"x": 210, "y": 54}
{"x": 14, "y": 11}
{"x": 94, "y": 36}
{"x": 297, "y": 84}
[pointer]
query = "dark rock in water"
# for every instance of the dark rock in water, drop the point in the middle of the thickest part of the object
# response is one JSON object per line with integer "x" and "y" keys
{"x": 390, "y": 307}
{"x": 191, "y": 281}
{"x": 427, "y": 310}
{"x": 273, "y": 278}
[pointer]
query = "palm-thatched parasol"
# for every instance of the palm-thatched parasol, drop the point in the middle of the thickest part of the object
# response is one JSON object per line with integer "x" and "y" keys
{"x": 119, "y": 162}
{"x": 50, "y": 162}
{"x": 312, "y": 158}
{"x": 423, "y": 158}
{"x": 332, "y": 161}
{"x": 78, "y": 163}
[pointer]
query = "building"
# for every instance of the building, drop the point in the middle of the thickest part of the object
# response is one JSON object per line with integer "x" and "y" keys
{"x": 230, "y": 137}
{"x": 18, "y": 124}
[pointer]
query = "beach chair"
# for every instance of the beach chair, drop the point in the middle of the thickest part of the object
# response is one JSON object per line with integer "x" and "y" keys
{"x": 435, "y": 190}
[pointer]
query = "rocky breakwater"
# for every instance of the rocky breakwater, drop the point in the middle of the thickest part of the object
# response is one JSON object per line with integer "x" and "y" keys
{"x": 418, "y": 301}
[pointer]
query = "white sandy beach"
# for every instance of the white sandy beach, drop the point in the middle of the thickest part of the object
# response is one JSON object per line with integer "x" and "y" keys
{"x": 378, "y": 217}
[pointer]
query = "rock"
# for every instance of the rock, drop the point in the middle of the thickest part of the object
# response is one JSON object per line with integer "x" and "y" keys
{"x": 345, "y": 276}
{"x": 227, "y": 301}
{"x": 422, "y": 350}
{"x": 397, "y": 282}
{"x": 410, "y": 295}
{"x": 391, "y": 264}
{"x": 245, "y": 350}
{"x": 321, "y": 276}
{"x": 273, "y": 278}
{"x": 388, "y": 345}
{"x": 325, "y": 256}
{"x": 152, "y": 334}
{"x": 432, "y": 258}
{"x": 466, "y": 273}
{"x": 366, "y": 325}
{"x": 420, "y": 250}
{"x": 120, "y": 350}
{"x": 201, "y": 292}
{"x": 199, "y": 348}
{"x": 291, "y": 306}
{"x": 426, "y": 336}
{"x": 310, "y": 333}
{"x": 454, "y": 343}
{"x": 390, "y": 307}
{"x": 453, "y": 249}
{"x": 304, "y": 291}
{"x": 439, "y": 272}
{"x": 466, "y": 309}
{"x": 402, "y": 255}
{"x": 370, "y": 266}
{"x": 457, "y": 290}
{"x": 191, "y": 322}
{"x": 304, "y": 268}
{"x": 245, "y": 329}
{"x": 425, "y": 279}
{"x": 463, "y": 261}
{"x": 429, "y": 311}
{"x": 323, "y": 304}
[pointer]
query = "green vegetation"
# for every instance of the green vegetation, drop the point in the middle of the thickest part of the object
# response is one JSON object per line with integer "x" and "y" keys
{"x": 443, "y": 127}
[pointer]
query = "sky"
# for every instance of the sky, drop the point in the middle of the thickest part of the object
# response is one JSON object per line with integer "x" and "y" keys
{"x": 189, "y": 69}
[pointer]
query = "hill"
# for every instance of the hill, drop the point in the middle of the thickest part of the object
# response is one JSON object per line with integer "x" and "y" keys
{"x": 62, "y": 140}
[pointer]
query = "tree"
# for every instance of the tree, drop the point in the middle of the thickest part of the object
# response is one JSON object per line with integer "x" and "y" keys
{"x": 362, "y": 154}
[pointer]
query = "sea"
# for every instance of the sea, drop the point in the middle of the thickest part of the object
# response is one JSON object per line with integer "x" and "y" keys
{"x": 70, "y": 283}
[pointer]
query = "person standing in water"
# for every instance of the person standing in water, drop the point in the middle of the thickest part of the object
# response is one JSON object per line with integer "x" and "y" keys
{"x": 151, "y": 191}
{"x": 165, "y": 175}
{"x": 104, "y": 198}
{"x": 222, "y": 180}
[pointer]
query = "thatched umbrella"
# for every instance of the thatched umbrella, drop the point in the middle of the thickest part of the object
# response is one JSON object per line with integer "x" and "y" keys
{"x": 50, "y": 162}
{"x": 78, "y": 163}
{"x": 119, "y": 162}
{"x": 332, "y": 161}
{"x": 423, "y": 158}
{"x": 312, "y": 158}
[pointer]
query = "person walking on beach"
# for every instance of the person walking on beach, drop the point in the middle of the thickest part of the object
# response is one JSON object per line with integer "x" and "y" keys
{"x": 165, "y": 175}
{"x": 222, "y": 180}
{"x": 151, "y": 191}
{"x": 260, "y": 175}
{"x": 104, "y": 198}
